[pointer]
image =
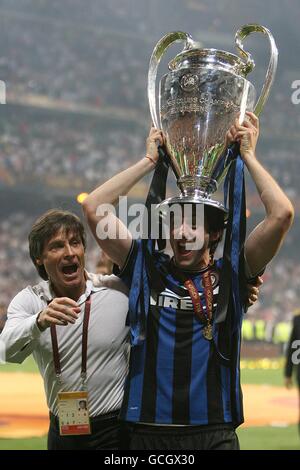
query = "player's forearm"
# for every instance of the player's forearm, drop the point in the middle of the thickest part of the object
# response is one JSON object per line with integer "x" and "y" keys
{"x": 118, "y": 185}
{"x": 276, "y": 203}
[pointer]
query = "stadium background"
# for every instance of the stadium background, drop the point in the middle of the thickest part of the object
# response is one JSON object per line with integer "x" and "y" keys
{"x": 77, "y": 112}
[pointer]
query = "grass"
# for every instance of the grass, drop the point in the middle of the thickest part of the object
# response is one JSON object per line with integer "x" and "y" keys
{"x": 27, "y": 366}
{"x": 269, "y": 438}
{"x": 35, "y": 443}
{"x": 260, "y": 376}
{"x": 258, "y": 438}
{"x": 255, "y": 438}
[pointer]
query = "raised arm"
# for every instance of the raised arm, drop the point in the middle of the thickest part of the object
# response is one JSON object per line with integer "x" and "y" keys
{"x": 102, "y": 219}
{"x": 265, "y": 240}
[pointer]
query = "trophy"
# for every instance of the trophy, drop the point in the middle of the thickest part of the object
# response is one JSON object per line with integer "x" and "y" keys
{"x": 200, "y": 97}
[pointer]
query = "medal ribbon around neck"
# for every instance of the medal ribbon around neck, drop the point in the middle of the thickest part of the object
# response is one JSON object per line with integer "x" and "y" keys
{"x": 204, "y": 317}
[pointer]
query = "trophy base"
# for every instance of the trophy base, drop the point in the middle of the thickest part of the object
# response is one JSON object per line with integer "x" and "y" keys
{"x": 190, "y": 199}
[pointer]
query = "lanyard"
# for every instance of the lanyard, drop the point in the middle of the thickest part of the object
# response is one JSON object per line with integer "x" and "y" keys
{"x": 56, "y": 357}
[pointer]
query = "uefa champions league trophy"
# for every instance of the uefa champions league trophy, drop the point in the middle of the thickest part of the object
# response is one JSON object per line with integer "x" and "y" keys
{"x": 199, "y": 100}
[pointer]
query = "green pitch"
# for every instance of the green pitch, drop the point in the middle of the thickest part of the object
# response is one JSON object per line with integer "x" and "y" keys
{"x": 269, "y": 438}
{"x": 264, "y": 438}
{"x": 27, "y": 366}
{"x": 260, "y": 377}
{"x": 255, "y": 438}
{"x": 35, "y": 443}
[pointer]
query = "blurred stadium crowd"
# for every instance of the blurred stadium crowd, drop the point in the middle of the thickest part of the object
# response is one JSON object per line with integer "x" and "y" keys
{"x": 63, "y": 152}
{"x": 77, "y": 112}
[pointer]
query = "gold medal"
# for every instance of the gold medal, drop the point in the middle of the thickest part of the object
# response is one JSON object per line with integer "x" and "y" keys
{"x": 207, "y": 332}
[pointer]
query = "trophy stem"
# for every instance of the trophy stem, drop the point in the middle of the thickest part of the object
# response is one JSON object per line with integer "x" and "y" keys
{"x": 194, "y": 186}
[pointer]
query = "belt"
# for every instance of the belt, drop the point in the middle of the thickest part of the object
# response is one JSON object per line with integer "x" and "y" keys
{"x": 93, "y": 419}
{"x": 170, "y": 428}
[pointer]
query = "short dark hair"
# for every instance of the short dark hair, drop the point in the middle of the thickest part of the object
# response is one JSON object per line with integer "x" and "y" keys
{"x": 216, "y": 221}
{"x": 215, "y": 218}
{"x": 45, "y": 227}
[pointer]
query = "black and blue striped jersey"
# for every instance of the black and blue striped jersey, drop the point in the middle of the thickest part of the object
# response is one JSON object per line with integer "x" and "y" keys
{"x": 176, "y": 376}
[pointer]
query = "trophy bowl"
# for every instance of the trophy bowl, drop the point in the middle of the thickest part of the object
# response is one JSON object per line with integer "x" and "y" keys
{"x": 200, "y": 98}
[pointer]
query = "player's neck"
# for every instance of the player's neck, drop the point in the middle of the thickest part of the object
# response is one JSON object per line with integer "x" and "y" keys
{"x": 73, "y": 293}
{"x": 205, "y": 261}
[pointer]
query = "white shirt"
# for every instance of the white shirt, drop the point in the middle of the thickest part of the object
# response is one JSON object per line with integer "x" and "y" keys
{"x": 108, "y": 342}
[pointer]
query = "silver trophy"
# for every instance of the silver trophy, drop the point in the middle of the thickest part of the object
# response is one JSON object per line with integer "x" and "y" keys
{"x": 199, "y": 100}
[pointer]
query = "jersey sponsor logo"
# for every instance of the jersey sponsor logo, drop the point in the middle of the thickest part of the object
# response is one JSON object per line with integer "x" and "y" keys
{"x": 169, "y": 299}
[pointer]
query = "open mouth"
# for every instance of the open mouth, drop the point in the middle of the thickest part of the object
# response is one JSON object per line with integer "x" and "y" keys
{"x": 70, "y": 269}
{"x": 183, "y": 249}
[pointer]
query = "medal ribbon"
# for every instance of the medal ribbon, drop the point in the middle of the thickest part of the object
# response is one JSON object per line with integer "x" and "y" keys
{"x": 195, "y": 297}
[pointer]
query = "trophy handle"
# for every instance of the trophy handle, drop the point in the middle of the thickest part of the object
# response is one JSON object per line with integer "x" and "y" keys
{"x": 163, "y": 44}
{"x": 241, "y": 34}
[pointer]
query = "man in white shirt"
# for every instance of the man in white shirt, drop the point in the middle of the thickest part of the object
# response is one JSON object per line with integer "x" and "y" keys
{"x": 74, "y": 324}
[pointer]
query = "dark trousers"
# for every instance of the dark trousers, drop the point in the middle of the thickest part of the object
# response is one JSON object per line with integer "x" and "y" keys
{"x": 105, "y": 434}
{"x": 147, "y": 437}
{"x": 299, "y": 405}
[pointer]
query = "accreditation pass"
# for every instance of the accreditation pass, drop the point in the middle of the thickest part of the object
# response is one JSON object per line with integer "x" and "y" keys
{"x": 73, "y": 413}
